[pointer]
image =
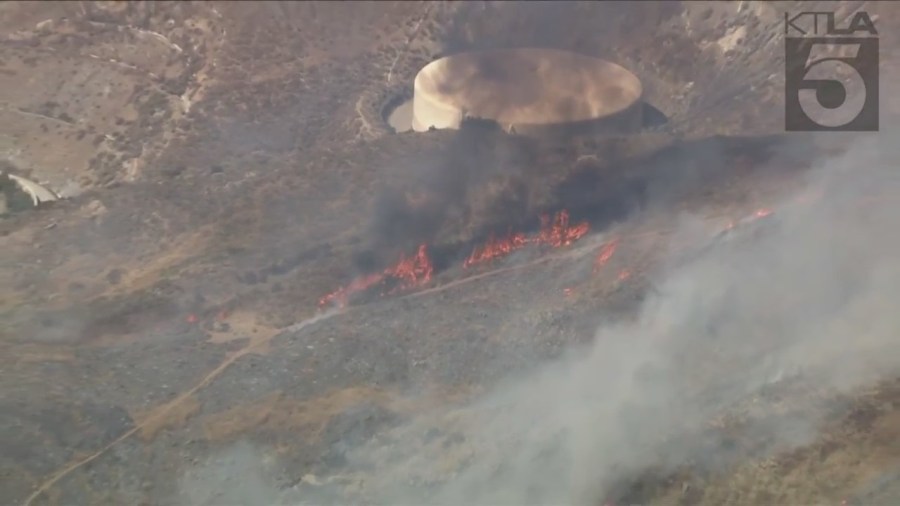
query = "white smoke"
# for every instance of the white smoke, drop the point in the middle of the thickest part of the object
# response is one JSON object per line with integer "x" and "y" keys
{"x": 807, "y": 295}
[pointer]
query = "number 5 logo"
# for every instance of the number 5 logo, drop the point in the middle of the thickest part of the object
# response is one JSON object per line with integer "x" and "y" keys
{"x": 831, "y": 90}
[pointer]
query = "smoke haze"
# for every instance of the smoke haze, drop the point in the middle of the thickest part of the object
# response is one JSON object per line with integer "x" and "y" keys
{"x": 807, "y": 298}
{"x": 800, "y": 302}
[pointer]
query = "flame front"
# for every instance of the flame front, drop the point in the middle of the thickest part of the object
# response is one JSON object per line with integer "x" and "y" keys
{"x": 496, "y": 248}
{"x": 417, "y": 270}
{"x": 554, "y": 232}
{"x": 408, "y": 273}
{"x": 606, "y": 252}
{"x": 414, "y": 271}
{"x": 558, "y": 233}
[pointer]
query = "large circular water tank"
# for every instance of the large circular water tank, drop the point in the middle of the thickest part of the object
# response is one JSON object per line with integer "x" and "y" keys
{"x": 527, "y": 90}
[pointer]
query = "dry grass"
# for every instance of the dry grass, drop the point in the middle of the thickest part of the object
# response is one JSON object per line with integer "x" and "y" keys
{"x": 279, "y": 413}
{"x": 175, "y": 416}
{"x": 849, "y": 455}
{"x": 39, "y": 353}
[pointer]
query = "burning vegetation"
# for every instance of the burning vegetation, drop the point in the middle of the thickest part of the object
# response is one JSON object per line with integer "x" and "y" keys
{"x": 606, "y": 252}
{"x": 407, "y": 273}
{"x": 466, "y": 192}
{"x": 555, "y": 233}
{"x": 417, "y": 270}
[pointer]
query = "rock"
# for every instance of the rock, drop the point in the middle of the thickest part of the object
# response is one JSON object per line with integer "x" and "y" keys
{"x": 94, "y": 209}
{"x": 133, "y": 169}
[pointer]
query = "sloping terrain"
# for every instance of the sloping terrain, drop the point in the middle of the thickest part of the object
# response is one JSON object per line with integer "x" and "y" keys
{"x": 225, "y": 166}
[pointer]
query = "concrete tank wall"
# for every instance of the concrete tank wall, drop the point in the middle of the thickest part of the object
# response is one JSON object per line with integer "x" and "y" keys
{"x": 433, "y": 110}
{"x": 527, "y": 91}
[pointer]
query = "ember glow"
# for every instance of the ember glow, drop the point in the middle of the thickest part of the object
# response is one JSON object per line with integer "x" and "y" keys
{"x": 606, "y": 252}
{"x": 407, "y": 273}
{"x": 555, "y": 232}
{"x": 759, "y": 213}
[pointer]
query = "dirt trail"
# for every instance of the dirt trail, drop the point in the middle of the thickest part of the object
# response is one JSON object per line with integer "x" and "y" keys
{"x": 164, "y": 410}
{"x": 158, "y": 415}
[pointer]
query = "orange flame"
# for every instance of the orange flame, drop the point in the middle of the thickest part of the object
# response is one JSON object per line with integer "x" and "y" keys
{"x": 412, "y": 271}
{"x": 606, "y": 252}
{"x": 409, "y": 272}
{"x": 417, "y": 270}
{"x": 496, "y": 248}
{"x": 558, "y": 233}
{"x": 555, "y": 233}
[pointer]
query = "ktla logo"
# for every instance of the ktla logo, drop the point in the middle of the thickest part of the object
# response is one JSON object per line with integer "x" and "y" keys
{"x": 831, "y": 73}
